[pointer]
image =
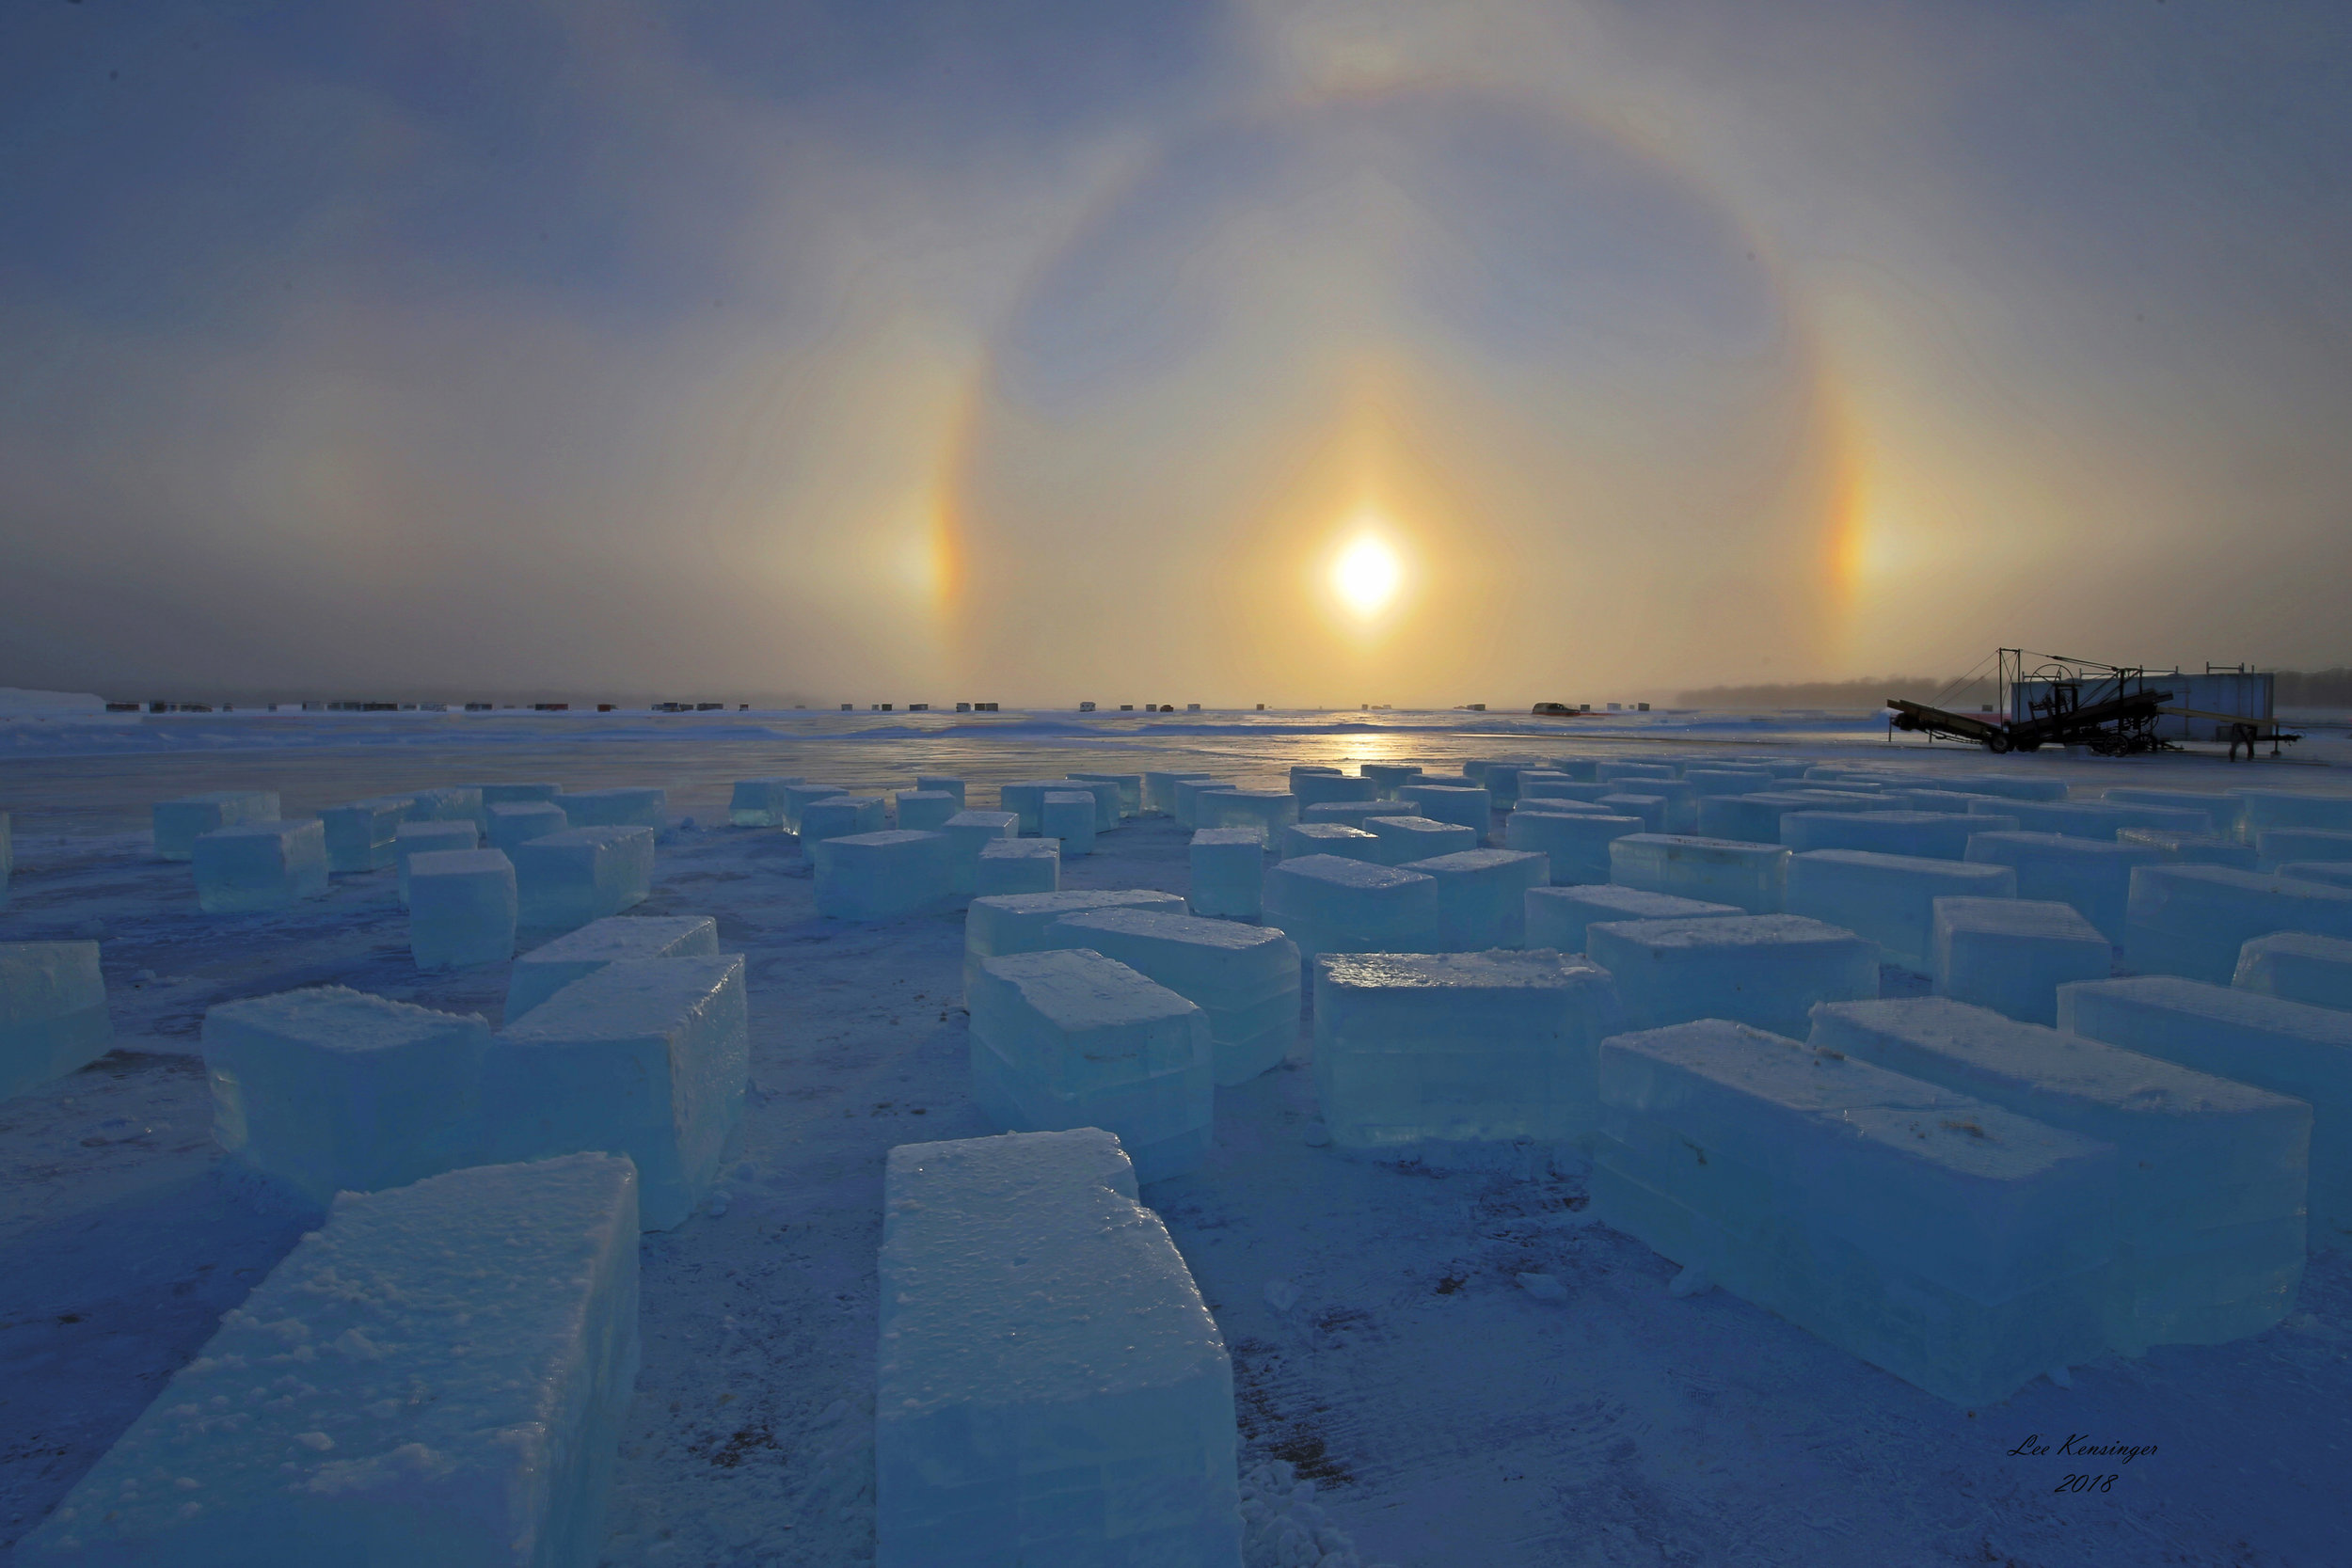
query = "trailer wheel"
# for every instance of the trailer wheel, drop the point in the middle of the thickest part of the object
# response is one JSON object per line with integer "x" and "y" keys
{"x": 1996, "y": 743}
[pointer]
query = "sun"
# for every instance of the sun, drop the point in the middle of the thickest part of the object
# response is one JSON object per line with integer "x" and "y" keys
{"x": 1366, "y": 576}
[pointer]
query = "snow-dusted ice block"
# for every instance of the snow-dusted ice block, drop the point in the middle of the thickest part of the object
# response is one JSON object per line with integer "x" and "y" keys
{"x": 1417, "y": 838}
{"x": 1649, "y": 810}
{"x": 448, "y": 804}
{"x": 2228, "y": 812}
{"x": 360, "y": 835}
{"x": 1352, "y": 813}
{"x": 2011, "y": 955}
{"x": 1245, "y": 978}
{"x": 576, "y": 955}
{"x": 517, "y": 793}
{"x": 1459, "y": 1048}
{"x": 1713, "y": 870}
{"x": 461, "y": 908}
{"x": 1936, "y": 835}
{"x": 2289, "y": 1047}
{"x": 328, "y": 1089}
{"x": 838, "y": 816}
{"x": 760, "y": 802}
{"x": 1049, "y": 1387}
{"x": 52, "y": 1012}
{"x": 1583, "y": 769}
{"x": 1159, "y": 790}
{"x": 1130, "y": 789}
{"x": 2192, "y": 920}
{"x": 1888, "y": 898}
{"x": 1387, "y": 776}
{"x": 1329, "y": 905}
{"x": 1001, "y": 925}
{"x": 944, "y": 783}
{"x": 1069, "y": 816}
{"x": 2274, "y": 847}
{"x": 1541, "y": 803}
{"x": 259, "y": 865}
{"x": 1188, "y": 793}
{"x": 1228, "y": 867}
{"x": 582, "y": 874}
{"x": 2092, "y": 819}
{"x": 1576, "y": 844}
{"x": 1557, "y": 916}
{"x": 635, "y": 806}
{"x": 1613, "y": 772}
{"x": 1107, "y": 797}
{"x": 437, "y": 1375}
{"x": 412, "y": 839}
{"x": 1482, "y": 897}
{"x": 2298, "y": 967}
{"x": 1330, "y": 838}
{"x": 1071, "y": 1038}
{"x": 1470, "y": 807}
{"x": 1317, "y": 789}
{"x": 1765, "y": 969}
{"x": 885, "y": 876}
{"x": 797, "y": 797}
{"x": 2189, "y": 849}
{"x": 2093, "y": 874}
{"x": 523, "y": 820}
{"x": 1017, "y": 865}
{"x": 646, "y": 1057}
{"x": 925, "y": 810}
{"x": 1025, "y": 798}
{"x": 1960, "y": 1246}
{"x": 1269, "y": 811}
{"x": 177, "y": 823}
{"x": 2266, "y": 808}
{"x": 968, "y": 832}
{"x": 2210, "y": 1173}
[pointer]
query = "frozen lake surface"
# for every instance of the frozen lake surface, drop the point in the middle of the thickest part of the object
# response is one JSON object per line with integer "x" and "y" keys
{"x": 1380, "y": 1341}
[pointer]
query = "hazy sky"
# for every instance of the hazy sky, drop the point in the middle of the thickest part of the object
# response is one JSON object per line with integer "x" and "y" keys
{"x": 1035, "y": 350}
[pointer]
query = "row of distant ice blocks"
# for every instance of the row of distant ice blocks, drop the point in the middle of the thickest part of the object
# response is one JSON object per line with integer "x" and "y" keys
{"x": 359, "y": 837}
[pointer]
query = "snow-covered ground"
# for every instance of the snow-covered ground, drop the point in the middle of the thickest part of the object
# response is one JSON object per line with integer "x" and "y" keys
{"x": 1381, "y": 1344}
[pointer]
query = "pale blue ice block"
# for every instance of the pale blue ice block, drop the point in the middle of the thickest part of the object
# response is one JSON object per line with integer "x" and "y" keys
{"x": 2266, "y": 808}
{"x": 2289, "y": 1047}
{"x": 1587, "y": 791}
{"x": 1130, "y": 787}
{"x": 1001, "y": 925}
{"x": 2093, "y": 874}
{"x": 1387, "y": 776}
{"x": 1106, "y": 797}
{"x": 2298, "y": 967}
{"x": 646, "y": 1057}
{"x": 885, "y": 876}
{"x": 329, "y": 1090}
{"x": 1754, "y": 876}
{"x": 437, "y": 1375}
{"x": 1049, "y": 1387}
{"x": 1539, "y": 782}
{"x": 1071, "y": 1038}
{"x": 950, "y": 784}
{"x": 1581, "y": 770}
{"x": 576, "y": 955}
{"x": 968, "y": 832}
{"x": 760, "y": 802}
{"x": 1557, "y": 916}
{"x": 1555, "y": 802}
{"x": 569, "y": 879}
{"x": 1353, "y": 814}
{"x": 52, "y": 1012}
{"x": 636, "y": 806}
{"x": 1305, "y": 769}
{"x": 447, "y": 803}
{"x": 461, "y": 908}
{"x": 1575, "y": 844}
{"x": 2192, "y": 920}
{"x": 922, "y": 810}
{"x": 2205, "y": 1166}
{"x": 412, "y": 839}
{"x": 2189, "y": 849}
{"x": 1612, "y": 772}
{"x": 1228, "y": 867}
{"x": 1244, "y": 978}
{"x": 1187, "y": 796}
{"x": 1729, "y": 781}
{"x": 1330, "y": 838}
{"x": 1017, "y": 865}
{"x": 797, "y": 797}
{"x": 2011, "y": 955}
{"x": 838, "y": 816}
{"x": 1936, "y": 835}
{"x": 2332, "y": 872}
{"x": 1482, "y": 897}
{"x": 1466, "y": 1048}
{"x": 2092, "y": 819}
{"x": 517, "y": 793}
{"x": 2274, "y": 847}
{"x": 1765, "y": 969}
{"x": 2228, "y": 812}
{"x": 1329, "y": 905}
{"x": 179, "y": 822}
{"x": 360, "y": 835}
{"x": 1649, "y": 809}
{"x": 259, "y": 865}
{"x": 1068, "y": 816}
{"x": 1269, "y": 811}
{"x": 1417, "y": 838}
{"x": 1159, "y": 790}
{"x": 1316, "y": 789}
{"x": 2012, "y": 788}
{"x": 1756, "y": 818}
{"x": 524, "y": 820}
{"x": 1470, "y": 807}
{"x": 1888, "y": 898}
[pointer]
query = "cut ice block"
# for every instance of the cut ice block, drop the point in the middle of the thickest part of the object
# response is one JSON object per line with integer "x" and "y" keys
{"x": 2228, "y": 812}
{"x": 1502, "y": 779}
{"x": 1417, "y": 838}
{"x": 968, "y": 832}
{"x": 1303, "y": 770}
{"x": 1536, "y": 783}
{"x": 2016, "y": 788}
{"x": 646, "y": 1057}
{"x": 1050, "y": 1388}
{"x": 1315, "y": 789}
{"x": 2298, "y": 967}
{"x": 1557, "y": 916}
{"x": 2289, "y": 1047}
{"x": 2093, "y": 874}
{"x": 437, "y": 1375}
{"x": 329, "y": 1090}
{"x": 1159, "y": 790}
{"x": 1069, "y": 816}
{"x": 569, "y": 879}
{"x": 1756, "y": 818}
{"x": 943, "y": 783}
{"x": 179, "y": 822}
{"x": 1244, "y": 978}
{"x": 1269, "y": 811}
{"x": 638, "y": 806}
{"x": 1106, "y": 796}
{"x": 1575, "y": 844}
{"x": 1387, "y": 776}
{"x": 2273, "y": 847}
{"x": 760, "y": 802}
{"x": 2092, "y": 819}
{"x": 1071, "y": 1038}
{"x": 838, "y": 816}
{"x": 1765, "y": 969}
{"x": 412, "y": 839}
{"x": 1017, "y": 865}
{"x": 1651, "y": 810}
{"x": 1729, "y": 780}
{"x": 1583, "y": 769}
{"x": 360, "y": 835}
{"x": 1587, "y": 792}
{"x": 2193, "y": 919}
{"x": 1958, "y": 1245}
{"x": 259, "y": 865}
{"x": 1025, "y": 798}
{"x": 1188, "y": 793}
{"x": 2266, "y": 808}
{"x": 548, "y": 969}
{"x": 1228, "y": 867}
{"x": 52, "y": 1012}
{"x": 519, "y": 823}
{"x": 1888, "y": 898}
{"x": 925, "y": 809}
{"x": 2332, "y": 872}
{"x": 1458, "y": 1048}
{"x": 1615, "y": 772}
{"x": 1713, "y": 870}
{"x": 461, "y": 908}
{"x": 1130, "y": 789}
{"x": 2189, "y": 849}
{"x": 1471, "y": 808}
{"x": 1352, "y": 813}
{"x": 1329, "y": 905}
{"x": 1554, "y": 803}
{"x": 448, "y": 803}
{"x": 885, "y": 876}
{"x": 1937, "y": 835}
{"x": 2011, "y": 955}
{"x": 517, "y": 793}
{"x": 1482, "y": 897}
{"x": 1001, "y": 924}
{"x": 2210, "y": 1173}
{"x": 1330, "y": 838}
{"x": 797, "y": 797}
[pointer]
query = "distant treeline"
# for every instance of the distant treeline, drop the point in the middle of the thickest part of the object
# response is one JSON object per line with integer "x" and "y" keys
{"x": 2294, "y": 689}
{"x": 2313, "y": 689}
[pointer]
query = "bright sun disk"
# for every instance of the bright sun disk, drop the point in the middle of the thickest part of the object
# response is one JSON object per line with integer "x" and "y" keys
{"x": 1366, "y": 576}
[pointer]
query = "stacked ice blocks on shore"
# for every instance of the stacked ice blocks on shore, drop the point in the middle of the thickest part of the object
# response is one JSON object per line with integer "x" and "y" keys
{"x": 885, "y": 876}
{"x": 1765, "y": 969}
{"x": 1960, "y": 1246}
{"x": 52, "y": 1012}
{"x": 360, "y": 835}
{"x": 2192, "y": 920}
{"x": 1888, "y": 898}
{"x": 1070, "y": 1039}
{"x": 548, "y": 969}
{"x": 2011, "y": 955}
{"x": 1557, "y": 917}
{"x": 1228, "y": 867}
{"x": 1713, "y": 870}
{"x": 1459, "y": 1048}
{"x": 1576, "y": 845}
{"x": 2210, "y": 1173}
{"x": 437, "y": 1375}
{"x": 180, "y": 823}
{"x": 582, "y": 874}
{"x": 1329, "y": 905}
{"x": 2298, "y": 967}
{"x": 461, "y": 908}
{"x": 1482, "y": 897}
{"x": 259, "y": 865}
{"x": 1245, "y": 978}
{"x": 1049, "y": 1384}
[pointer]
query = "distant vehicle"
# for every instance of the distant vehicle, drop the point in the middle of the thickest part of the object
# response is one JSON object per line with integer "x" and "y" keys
{"x": 1556, "y": 710}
